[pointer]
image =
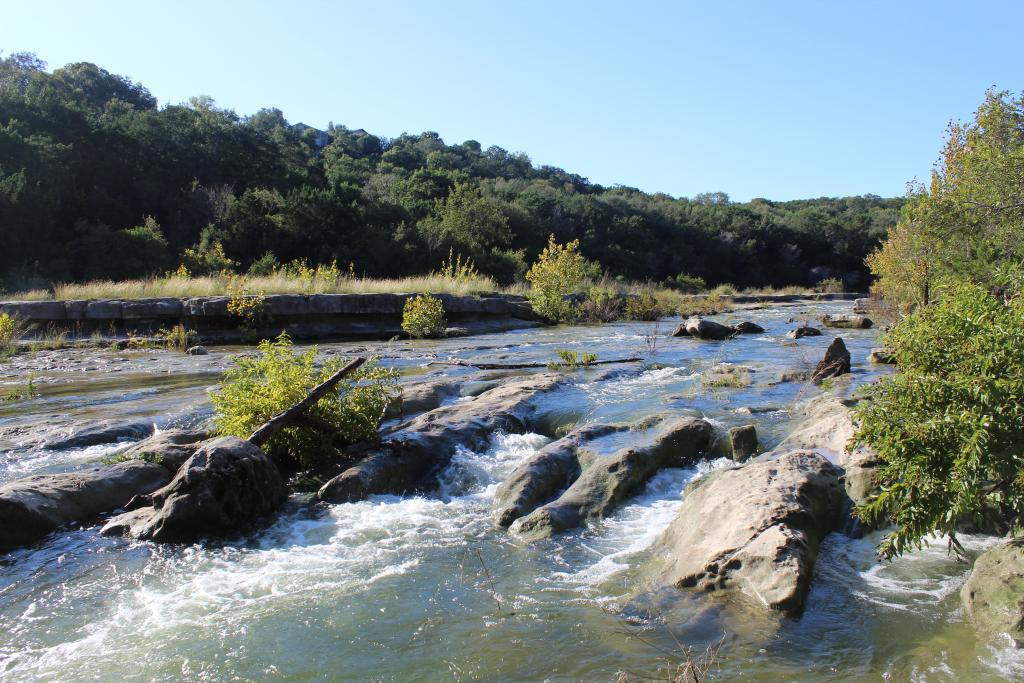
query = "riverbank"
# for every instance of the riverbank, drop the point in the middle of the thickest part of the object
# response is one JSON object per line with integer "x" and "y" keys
{"x": 372, "y": 316}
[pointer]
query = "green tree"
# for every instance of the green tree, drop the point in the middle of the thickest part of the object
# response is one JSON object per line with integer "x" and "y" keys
{"x": 559, "y": 271}
{"x": 947, "y": 427}
{"x": 968, "y": 221}
{"x": 466, "y": 221}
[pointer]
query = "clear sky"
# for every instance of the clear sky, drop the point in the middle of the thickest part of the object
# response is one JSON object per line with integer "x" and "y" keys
{"x": 776, "y": 99}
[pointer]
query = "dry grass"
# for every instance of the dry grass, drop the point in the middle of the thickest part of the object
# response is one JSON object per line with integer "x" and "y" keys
{"x": 180, "y": 287}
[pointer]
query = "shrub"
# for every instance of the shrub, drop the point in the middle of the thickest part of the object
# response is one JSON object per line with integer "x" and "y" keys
{"x": 832, "y": 285}
{"x": 8, "y": 332}
{"x": 312, "y": 279}
{"x": 724, "y": 289}
{"x": 178, "y": 337}
{"x": 571, "y": 360}
{"x": 458, "y": 270}
{"x": 687, "y": 284}
{"x": 559, "y": 271}
{"x": 262, "y": 386}
{"x": 207, "y": 257}
{"x": 643, "y": 306}
{"x": 506, "y": 266}
{"x": 947, "y": 428}
{"x": 264, "y": 266}
{"x": 602, "y": 305}
{"x": 248, "y": 306}
{"x": 423, "y": 317}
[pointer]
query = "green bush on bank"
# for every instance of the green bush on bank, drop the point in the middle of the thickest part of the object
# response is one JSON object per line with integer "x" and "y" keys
{"x": 948, "y": 427}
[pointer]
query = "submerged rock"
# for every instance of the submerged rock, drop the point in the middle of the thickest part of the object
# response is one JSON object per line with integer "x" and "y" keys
{"x": 747, "y": 327}
{"x": 609, "y": 480}
{"x": 836, "y": 362}
{"x": 804, "y": 331}
{"x": 424, "y": 445}
{"x": 993, "y": 597}
{"x": 545, "y": 473}
{"x": 33, "y": 507}
{"x": 707, "y": 329}
{"x": 226, "y": 484}
{"x": 755, "y": 528}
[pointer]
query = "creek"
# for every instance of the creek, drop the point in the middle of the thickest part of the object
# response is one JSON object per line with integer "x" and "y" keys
{"x": 426, "y": 587}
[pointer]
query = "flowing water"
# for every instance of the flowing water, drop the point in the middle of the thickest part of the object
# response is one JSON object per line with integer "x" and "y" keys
{"x": 425, "y": 587}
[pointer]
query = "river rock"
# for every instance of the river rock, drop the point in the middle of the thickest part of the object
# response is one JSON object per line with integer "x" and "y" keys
{"x": 826, "y": 427}
{"x": 882, "y": 356}
{"x": 225, "y": 485}
{"x": 836, "y": 362}
{"x": 707, "y": 329}
{"x": 755, "y": 528}
{"x": 197, "y": 350}
{"x": 99, "y": 433}
{"x": 548, "y": 471}
{"x": 420, "y": 397}
{"x": 804, "y": 331}
{"x": 609, "y": 480}
{"x": 743, "y": 442}
{"x": 421, "y": 447}
{"x": 854, "y": 322}
{"x": 747, "y": 327}
{"x": 993, "y": 597}
{"x": 31, "y": 508}
{"x": 170, "y": 448}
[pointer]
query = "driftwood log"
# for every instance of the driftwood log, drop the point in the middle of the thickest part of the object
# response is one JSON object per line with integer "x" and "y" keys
{"x": 525, "y": 366}
{"x": 294, "y": 415}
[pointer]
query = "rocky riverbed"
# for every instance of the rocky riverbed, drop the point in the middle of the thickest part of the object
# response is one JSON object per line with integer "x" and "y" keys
{"x": 512, "y": 525}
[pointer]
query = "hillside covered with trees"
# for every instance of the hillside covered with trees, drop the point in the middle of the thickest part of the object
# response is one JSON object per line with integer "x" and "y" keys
{"x": 98, "y": 181}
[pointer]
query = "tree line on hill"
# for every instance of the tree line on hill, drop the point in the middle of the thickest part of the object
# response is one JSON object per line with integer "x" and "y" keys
{"x": 98, "y": 181}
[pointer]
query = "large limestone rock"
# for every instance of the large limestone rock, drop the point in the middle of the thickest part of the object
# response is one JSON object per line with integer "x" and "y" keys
{"x": 424, "y": 445}
{"x": 422, "y": 396}
{"x": 853, "y": 322}
{"x": 836, "y": 362}
{"x": 826, "y": 427}
{"x": 545, "y": 473}
{"x": 756, "y": 529}
{"x": 33, "y": 507}
{"x": 225, "y": 485}
{"x": 170, "y": 448}
{"x": 609, "y": 480}
{"x": 707, "y": 329}
{"x": 993, "y": 597}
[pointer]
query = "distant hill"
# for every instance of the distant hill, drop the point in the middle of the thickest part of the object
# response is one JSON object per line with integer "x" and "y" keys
{"x": 86, "y": 156}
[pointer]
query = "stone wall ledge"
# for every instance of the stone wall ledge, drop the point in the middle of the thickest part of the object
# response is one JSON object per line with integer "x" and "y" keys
{"x": 278, "y": 305}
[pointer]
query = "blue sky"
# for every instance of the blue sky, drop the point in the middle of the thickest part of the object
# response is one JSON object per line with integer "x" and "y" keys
{"x": 781, "y": 100}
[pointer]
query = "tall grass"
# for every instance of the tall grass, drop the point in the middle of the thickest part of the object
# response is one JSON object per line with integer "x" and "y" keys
{"x": 182, "y": 287}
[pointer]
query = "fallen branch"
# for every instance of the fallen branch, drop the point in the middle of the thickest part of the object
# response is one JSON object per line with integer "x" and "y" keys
{"x": 525, "y": 366}
{"x": 294, "y": 415}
